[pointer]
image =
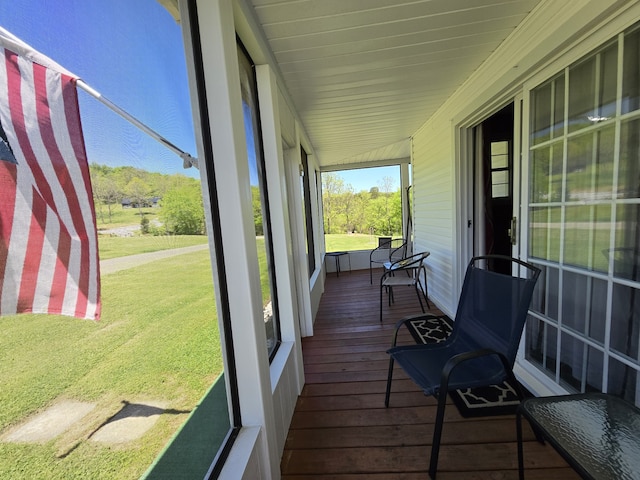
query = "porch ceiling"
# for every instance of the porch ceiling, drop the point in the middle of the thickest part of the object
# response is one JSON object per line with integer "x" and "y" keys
{"x": 364, "y": 75}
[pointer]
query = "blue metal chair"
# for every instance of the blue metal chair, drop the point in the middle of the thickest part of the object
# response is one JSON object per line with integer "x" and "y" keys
{"x": 482, "y": 347}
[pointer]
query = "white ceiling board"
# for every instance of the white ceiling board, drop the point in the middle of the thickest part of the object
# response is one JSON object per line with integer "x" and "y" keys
{"x": 364, "y": 75}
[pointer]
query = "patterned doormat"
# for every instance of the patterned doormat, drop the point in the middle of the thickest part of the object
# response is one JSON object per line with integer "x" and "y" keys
{"x": 472, "y": 402}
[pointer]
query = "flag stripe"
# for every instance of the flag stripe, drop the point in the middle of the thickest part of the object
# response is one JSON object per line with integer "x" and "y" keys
{"x": 56, "y": 267}
{"x": 69, "y": 209}
{"x": 90, "y": 270}
{"x": 8, "y": 176}
{"x": 35, "y": 242}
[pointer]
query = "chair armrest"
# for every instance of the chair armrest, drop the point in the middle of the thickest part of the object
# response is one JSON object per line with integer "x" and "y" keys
{"x": 456, "y": 360}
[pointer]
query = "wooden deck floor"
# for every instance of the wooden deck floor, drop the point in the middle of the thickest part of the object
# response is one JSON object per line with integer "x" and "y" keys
{"x": 341, "y": 429}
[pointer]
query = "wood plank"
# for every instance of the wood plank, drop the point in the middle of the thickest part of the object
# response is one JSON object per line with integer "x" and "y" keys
{"x": 475, "y": 431}
{"x": 341, "y": 430}
{"x": 350, "y": 388}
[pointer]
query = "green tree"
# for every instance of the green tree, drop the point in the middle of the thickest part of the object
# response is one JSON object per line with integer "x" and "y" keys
{"x": 182, "y": 211}
{"x": 332, "y": 188}
{"x": 105, "y": 192}
{"x": 139, "y": 192}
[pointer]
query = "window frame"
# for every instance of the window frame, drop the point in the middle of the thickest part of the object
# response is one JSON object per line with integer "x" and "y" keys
{"x": 223, "y": 303}
{"x": 264, "y": 197}
{"x": 547, "y": 316}
{"x": 308, "y": 216}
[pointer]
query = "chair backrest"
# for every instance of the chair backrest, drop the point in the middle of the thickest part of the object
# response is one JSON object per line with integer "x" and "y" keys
{"x": 399, "y": 252}
{"x": 494, "y": 302}
{"x": 386, "y": 247}
{"x": 412, "y": 262}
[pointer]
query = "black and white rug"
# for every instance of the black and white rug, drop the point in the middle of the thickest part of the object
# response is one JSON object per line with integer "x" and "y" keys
{"x": 472, "y": 402}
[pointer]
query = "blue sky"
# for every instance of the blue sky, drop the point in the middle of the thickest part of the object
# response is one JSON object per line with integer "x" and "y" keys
{"x": 366, "y": 178}
{"x": 130, "y": 51}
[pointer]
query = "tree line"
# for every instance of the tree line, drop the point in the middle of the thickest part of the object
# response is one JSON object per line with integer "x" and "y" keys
{"x": 377, "y": 211}
{"x": 178, "y": 196}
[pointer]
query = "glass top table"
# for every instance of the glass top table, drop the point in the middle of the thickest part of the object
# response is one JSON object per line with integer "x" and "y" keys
{"x": 598, "y": 434}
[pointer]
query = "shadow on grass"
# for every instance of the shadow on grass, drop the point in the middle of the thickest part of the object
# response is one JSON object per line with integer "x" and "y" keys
{"x": 192, "y": 450}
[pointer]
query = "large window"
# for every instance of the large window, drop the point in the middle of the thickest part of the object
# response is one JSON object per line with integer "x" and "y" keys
{"x": 584, "y": 222}
{"x": 307, "y": 181}
{"x": 142, "y": 392}
{"x": 261, "y": 218}
{"x": 360, "y": 206}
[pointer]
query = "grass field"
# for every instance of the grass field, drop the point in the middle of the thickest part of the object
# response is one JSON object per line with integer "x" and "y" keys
{"x": 353, "y": 241}
{"x": 157, "y": 340}
{"x": 122, "y": 217}
{"x": 112, "y": 247}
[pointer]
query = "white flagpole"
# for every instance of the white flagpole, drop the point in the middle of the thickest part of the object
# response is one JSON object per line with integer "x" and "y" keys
{"x": 187, "y": 160}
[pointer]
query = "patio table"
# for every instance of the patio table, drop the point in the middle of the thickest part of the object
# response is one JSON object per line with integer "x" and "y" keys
{"x": 597, "y": 434}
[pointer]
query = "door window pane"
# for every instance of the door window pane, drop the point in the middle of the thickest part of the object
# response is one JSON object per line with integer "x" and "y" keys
{"x": 581, "y": 365}
{"x": 626, "y": 255}
{"x": 592, "y": 89}
{"x": 629, "y": 170}
{"x": 590, "y": 165}
{"x": 587, "y": 236}
{"x": 544, "y": 233}
{"x": 546, "y": 173}
{"x": 541, "y": 345}
{"x": 584, "y": 305}
{"x": 623, "y": 381}
{"x": 625, "y": 321}
{"x": 631, "y": 75}
{"x": 545, "y": 295}
{"x": 548, "y": 111}
{"x": 582, "y": 90}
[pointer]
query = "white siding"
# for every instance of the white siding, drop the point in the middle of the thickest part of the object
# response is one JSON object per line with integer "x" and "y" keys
{"x": 432, "y": 158}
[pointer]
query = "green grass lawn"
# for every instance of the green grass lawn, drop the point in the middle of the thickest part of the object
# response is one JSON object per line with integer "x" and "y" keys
{"x": 122, "y": 217}
{"x": 112, "y": 247}
{"x": 157, "y": 340}
{"x": 336, "y": 242}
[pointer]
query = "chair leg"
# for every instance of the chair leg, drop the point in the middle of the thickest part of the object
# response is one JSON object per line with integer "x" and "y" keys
{"x": 516, "y": 385}
{"x": 520, "y": 449}
{"x": 426, "y": 288}
{"x": 419, "y": 297}
{"x": 389, "y": 378}
{"x": 437, "y": 433}
{"x": 381, "y": 287}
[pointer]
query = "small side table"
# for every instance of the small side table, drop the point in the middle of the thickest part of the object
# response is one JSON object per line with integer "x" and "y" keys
{"x": 336, "y": 256}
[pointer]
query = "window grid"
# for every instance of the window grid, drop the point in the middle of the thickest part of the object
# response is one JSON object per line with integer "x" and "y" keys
{"x": 546, "y": 139}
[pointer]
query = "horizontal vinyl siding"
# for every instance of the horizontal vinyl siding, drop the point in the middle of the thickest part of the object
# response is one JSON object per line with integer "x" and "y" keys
{"x": 434, "y": 209}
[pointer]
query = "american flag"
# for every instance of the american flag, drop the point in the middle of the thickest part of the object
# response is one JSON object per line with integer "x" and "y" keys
{"x": 48, "y": 241}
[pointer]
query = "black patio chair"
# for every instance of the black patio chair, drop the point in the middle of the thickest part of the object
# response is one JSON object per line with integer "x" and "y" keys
{"x": 388, "y": 250}
{"x": 482, "y": 347}
{"x": 405, "y": 272}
